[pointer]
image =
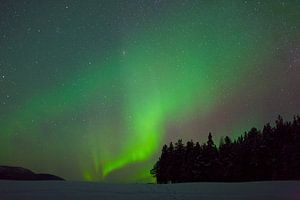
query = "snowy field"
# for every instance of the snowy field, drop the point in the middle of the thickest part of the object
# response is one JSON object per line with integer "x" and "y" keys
{"x": 44, "y": 190}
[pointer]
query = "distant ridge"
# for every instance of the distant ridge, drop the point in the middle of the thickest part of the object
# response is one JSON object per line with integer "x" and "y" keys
{"x": 19, "y": 173}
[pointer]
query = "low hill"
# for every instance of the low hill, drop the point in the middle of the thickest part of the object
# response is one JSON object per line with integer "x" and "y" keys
{"x": 19, "y": 173}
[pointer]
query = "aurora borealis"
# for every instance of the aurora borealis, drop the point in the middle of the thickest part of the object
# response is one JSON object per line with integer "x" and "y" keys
{"x": 91, "y": 90}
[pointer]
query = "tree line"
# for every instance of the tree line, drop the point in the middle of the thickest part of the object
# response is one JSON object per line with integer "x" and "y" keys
{"x": 272, "y": 153}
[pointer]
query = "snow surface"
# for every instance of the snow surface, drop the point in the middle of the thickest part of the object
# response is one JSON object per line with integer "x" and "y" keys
{"x": 44, "y": 190}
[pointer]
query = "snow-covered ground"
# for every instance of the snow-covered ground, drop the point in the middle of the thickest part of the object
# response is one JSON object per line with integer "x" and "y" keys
{"x": 44, "y": 190}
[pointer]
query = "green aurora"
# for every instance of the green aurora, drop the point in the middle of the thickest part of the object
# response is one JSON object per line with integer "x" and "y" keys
{"x": 172, "y": 63}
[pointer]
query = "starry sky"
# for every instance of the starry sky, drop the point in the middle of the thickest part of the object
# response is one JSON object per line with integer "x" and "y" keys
{"x": 91, "y": 90}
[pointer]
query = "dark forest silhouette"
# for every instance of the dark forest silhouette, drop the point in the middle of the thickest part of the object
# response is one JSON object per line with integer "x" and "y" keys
{"x": 270, "y": 154}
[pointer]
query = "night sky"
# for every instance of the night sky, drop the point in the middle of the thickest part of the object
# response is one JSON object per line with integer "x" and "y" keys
{"x": 91, "y": 90}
